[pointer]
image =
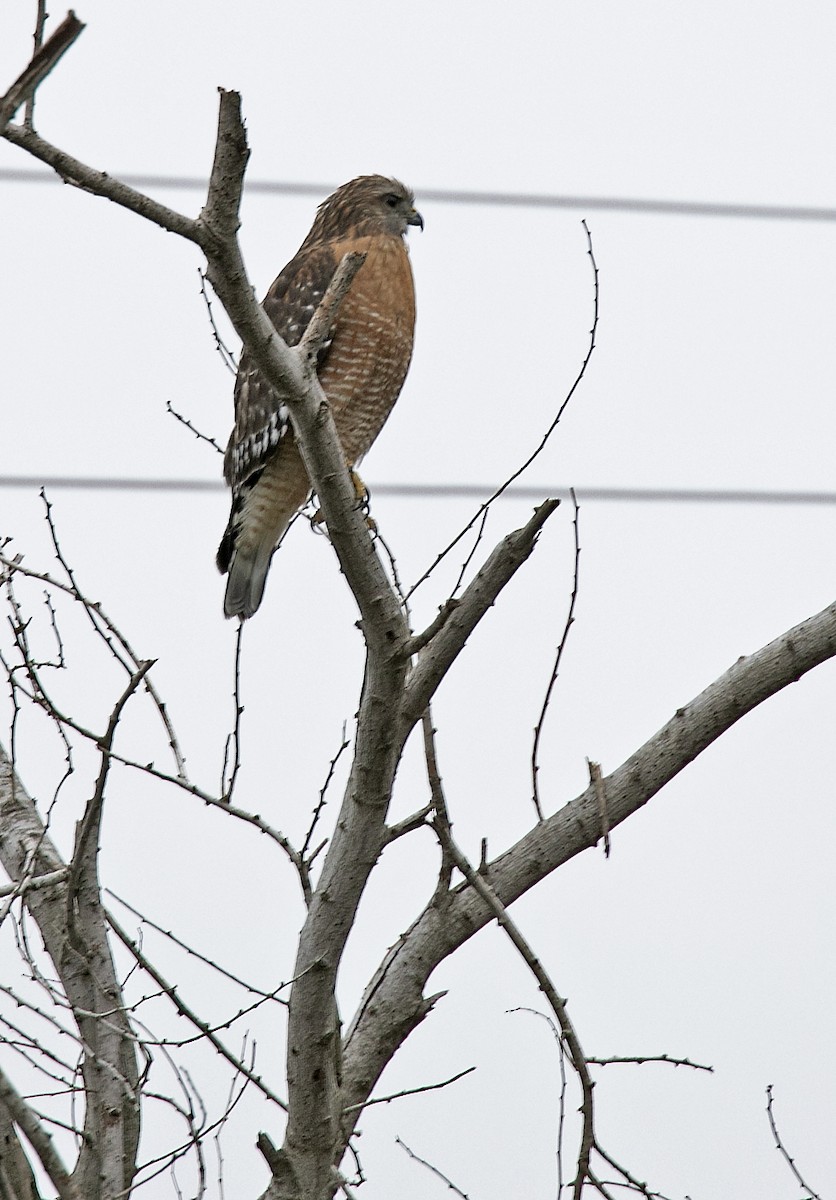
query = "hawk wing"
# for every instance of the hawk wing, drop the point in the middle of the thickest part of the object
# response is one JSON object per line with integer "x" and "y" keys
{"x": 262, "y": 418}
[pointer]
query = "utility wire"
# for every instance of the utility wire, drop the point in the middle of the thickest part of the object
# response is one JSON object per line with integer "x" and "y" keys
{"x": 442, "y": 491}
{"x": 678, "y": 208}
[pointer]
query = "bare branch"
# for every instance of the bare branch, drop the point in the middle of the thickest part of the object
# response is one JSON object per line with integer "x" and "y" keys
{"x": 419, "y": 640}
{"x": 99, "y": 183}
{"x": 320, "y": 325}
{"x": 436, "y": 659}
{"x": 33, "y": 882}
{"x": 38, "y": 1138}
{"x": 104, "y": 627}
{"x": 596, "y": 778}
{"x": 42, "y": 62}
{"x": 226, "y": 183}
{"x": 16, "y": 1175}
{"x": 415, "y": 821}
{"x": 397, "y": 987}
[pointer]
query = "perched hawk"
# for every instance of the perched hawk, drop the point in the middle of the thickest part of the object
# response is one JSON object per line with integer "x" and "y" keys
{"x": 361, "y": 369}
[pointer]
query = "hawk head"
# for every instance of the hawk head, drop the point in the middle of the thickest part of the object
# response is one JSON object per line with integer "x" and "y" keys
{"x": 363, "y": 207}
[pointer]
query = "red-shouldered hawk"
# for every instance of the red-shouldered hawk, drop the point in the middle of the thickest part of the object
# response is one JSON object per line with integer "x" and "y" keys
{"x": 361, "y": 369}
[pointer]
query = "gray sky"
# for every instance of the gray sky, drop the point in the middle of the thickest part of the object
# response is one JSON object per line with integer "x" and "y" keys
{"x": 708, "y": 933}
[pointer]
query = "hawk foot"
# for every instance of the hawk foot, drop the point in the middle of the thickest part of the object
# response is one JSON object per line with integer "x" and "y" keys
{"x": 364, "y": 499}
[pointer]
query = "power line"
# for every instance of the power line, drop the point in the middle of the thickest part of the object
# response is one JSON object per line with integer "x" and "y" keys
{"x": 677, "y": 208}
{"x": 441, "y": 491}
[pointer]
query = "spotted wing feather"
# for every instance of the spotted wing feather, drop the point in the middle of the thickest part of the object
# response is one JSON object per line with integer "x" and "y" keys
{"x": 262, "y": 418}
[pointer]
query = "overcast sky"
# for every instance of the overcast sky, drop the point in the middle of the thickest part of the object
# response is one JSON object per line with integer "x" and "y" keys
{"x": 709, "y": 931}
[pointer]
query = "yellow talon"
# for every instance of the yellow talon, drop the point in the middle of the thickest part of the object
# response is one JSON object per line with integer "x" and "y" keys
{"x": 360, "y": 489}
{"x": 363, "y": 497}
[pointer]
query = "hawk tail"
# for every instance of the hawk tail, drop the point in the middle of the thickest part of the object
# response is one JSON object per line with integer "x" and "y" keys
{"x": 247, "y": 569}
{"x": 262, "y": 509}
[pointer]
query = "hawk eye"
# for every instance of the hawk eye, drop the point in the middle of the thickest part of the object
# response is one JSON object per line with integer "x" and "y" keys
{"x": 392, "y": 200}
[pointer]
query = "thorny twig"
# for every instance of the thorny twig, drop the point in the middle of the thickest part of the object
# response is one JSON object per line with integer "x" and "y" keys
{"x": 124, "y": 654}
{"x": 639, "y": 1060}
{"x": 105, "y": 629}
{"x": 561, "y": 1104}
{"x": 227, "y": 357}
{"x": 233, "y": 741}
{"x": 167, "y": 1160}
{"x": 190, "y": 1015}
{"x": 38, "y": 39}
{"x": 479, "y": 882}
{"x": 782, "y": 1148}
{"x": 570, "y": 619}
{"x": 546, "y": 436}
{"x": 480, "y": 533}
{"x": 441, "y": 816}
{"x": 89, "y": 825}
{"x": 172, "y": 937}
{"x": 414, "y": 1091}
{"x": 400, "y": 1142}
{"x": 332, "y": 766}
{"x": 201, "y": 437}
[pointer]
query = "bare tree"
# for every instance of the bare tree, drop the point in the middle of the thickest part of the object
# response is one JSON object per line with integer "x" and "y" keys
{"x": 98, "y": 1088}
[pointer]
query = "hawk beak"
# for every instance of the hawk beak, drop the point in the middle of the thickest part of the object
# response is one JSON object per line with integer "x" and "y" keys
{"x": 415, "y": 218}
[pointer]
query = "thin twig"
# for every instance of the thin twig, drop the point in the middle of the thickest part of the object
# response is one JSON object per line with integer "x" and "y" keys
{"x": 561, "y": 1107}
{"x": 400, "y": 1142}
{"x": 201, "y": 437}
{"x": 630, "y": 1181}
{"x": 38, "y": 39}
{"x": 190, "y": 1015}
{"x": 172, "y": 937}
{"x": 332, "y": 766}
{"x": 546, "y": 436}
{"x": 441, "y": 815}
{"x": 87, "y": 831}
{"x": 556, "y": 1003}
{"x": 106, "y": 630}
{"x": 479, "y": 883}
{"x": 782, "y": 1148}
{"x": 638, "y": 1060}
{"x": 570, "y": 619}
{"x": 469, "y": 559}
{"x": 427, "y": 1087}
{"x": 234, "y": 739}
{"x": 227, "y": 357}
